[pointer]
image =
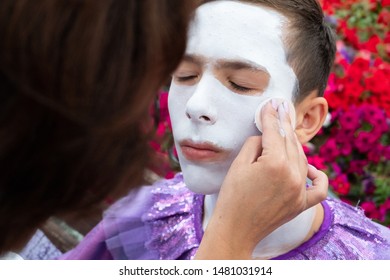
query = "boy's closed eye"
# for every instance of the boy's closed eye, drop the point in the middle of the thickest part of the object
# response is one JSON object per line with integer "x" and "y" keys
{"x": 187, "y": 73}
{"x": 186, "y": 78}
{"x": 239, "y": 88}
{"x": 245, "y": 81}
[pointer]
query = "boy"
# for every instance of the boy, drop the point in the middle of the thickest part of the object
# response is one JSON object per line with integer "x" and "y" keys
{"x": 239, "y": 55}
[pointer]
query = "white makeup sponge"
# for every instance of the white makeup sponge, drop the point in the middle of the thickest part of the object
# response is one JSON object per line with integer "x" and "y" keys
{"x": 278, "y": 101}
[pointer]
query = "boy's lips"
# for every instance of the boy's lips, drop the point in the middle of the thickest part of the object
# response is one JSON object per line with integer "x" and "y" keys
{"x": 202, "y": 151}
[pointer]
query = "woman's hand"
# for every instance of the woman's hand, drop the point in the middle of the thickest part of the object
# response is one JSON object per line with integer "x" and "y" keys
{"x": 264, "y": 188}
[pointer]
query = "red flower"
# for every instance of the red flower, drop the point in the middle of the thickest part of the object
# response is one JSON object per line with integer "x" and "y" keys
{"x": 336, "y": 100}
{"x": 361, "y": 64}
{"x": 340, "y": 184}
{"x": 350, "y": 34}
{"x": 385, "y": 3}
{"x": 372, "y": 44}
{"x": 378, "y": 82}
{"x": 384, "y": 17}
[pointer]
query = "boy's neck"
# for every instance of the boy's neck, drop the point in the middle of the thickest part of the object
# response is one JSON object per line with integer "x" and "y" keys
{"x": 283, "y": 239}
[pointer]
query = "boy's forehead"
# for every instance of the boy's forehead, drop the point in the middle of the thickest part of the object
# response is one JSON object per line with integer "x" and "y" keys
{"x": 232, "y": 13}
{"x": 237, "y": 31}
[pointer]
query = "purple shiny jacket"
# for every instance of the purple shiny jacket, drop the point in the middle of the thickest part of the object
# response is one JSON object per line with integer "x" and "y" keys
{"x": 164, "y": 221}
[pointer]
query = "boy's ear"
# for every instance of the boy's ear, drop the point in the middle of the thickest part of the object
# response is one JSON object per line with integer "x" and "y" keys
{"x": 311, "y": 114}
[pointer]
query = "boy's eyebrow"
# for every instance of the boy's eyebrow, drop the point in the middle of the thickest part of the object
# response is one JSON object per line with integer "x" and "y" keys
{"x": 192, "y": 58}
{"x": 239, "y": 65}
{"x": 230, "y": 64}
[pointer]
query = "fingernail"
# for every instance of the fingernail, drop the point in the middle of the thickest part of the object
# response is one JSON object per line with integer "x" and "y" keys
{"x": 286, "y": 106}
{"x": 274, "y": 103}
{"x": 281, "y": 111}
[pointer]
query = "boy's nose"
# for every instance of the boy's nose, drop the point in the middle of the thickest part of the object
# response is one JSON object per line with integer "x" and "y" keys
{"x": 200, "y": 118}
{"x": 200, "y": 113}
{"x": 200, "y": 107}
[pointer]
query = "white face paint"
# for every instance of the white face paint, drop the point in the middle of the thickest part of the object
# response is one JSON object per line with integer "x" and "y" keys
{"x": 235, "y": 59}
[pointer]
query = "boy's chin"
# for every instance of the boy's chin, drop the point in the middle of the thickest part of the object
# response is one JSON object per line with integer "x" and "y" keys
{"x": 206, "y": 184}
{"x": 204, "y": 178}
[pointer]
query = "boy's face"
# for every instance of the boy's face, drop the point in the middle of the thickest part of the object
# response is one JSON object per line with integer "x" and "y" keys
{"x": 235, "y": 59}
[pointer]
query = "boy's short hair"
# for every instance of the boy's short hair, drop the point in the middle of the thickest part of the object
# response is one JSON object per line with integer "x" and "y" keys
{"x": 310, "y": 43}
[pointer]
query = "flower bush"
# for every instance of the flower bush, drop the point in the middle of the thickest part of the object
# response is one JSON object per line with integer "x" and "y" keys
{"x": 165, "y": 163}
{"x": 353, "y": 147}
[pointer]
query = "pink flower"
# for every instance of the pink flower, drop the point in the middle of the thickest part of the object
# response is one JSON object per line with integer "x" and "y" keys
{"x": 163, "y": 106}
{"x": 317, "y": 161}
{"x": 374, "y": 155}
{"x": 161, "y": 128}
{"x": 349, "y": 120}
{"x": 163, "y": 100}
{"x": 364, "y": 141}
{"x": 155, "y": 146}
{"x": 376, "y": 117}
{"x": 336, "y": 168}
{"x": 357, "y": 166}
{"x": 371, "y": 210}
{"x": 386, "y": 204}
{"x": 169, "y": 175}
{"x": 386, "y": 152}
{"x": 346, "y": 149}
{"x": 329, "y": 151}
{"x": 344, "y": 136}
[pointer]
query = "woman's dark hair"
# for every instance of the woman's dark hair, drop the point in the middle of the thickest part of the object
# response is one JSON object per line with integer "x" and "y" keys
{"x": 76, "y": 80}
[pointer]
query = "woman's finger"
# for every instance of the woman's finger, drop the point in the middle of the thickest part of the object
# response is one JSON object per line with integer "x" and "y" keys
{"x": 273, "y": 134}
{"x": 319, "y": 189}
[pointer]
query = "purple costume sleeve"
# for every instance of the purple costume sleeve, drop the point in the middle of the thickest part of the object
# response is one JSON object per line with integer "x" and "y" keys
{"x": 156, "y": 222}
{"x": 125, "y": 230}
{"x": 92, "y": 247}
{"x": 120, "y": 235}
